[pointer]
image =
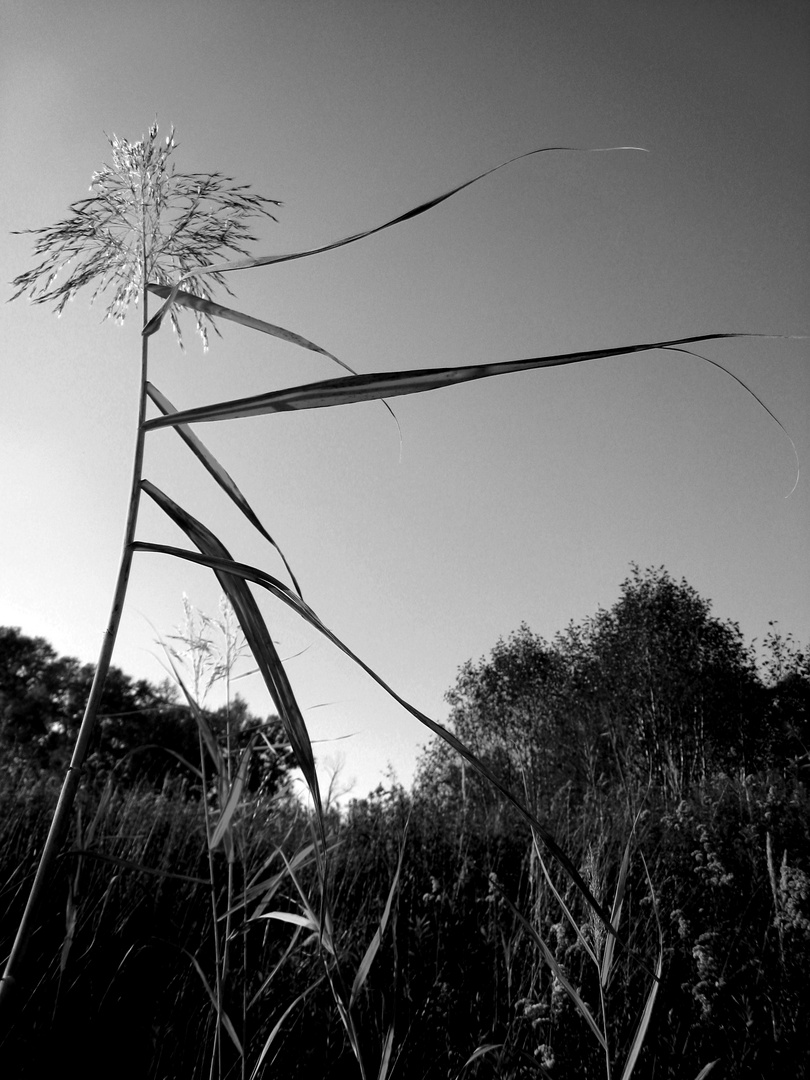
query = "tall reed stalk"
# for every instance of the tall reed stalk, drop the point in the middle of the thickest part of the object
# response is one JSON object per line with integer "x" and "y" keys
{"x": 147, "y": 228}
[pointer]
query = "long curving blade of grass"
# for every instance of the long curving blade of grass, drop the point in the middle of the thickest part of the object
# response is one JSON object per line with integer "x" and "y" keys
{"x": 559, "y": 974}
{"x": 268, "y": 979}
{"x": 256, "y": 635}
{"x": 219, "y": 473}
{"x": 224, "y": 567}
{"x": 352, "y": 389}
{"x": 574, "y": 923}
{"x": 224, "y": 1019}
{"x": 128, "y": 864}
{"x": 266, "y": 889}
{"x": 271, "y": 1038}
{"x": 644, "y": 1022}
{"x": 385, "y": 1060}
{"x": 265, "y": 260}
{"x": 615, "y": 918}
{"x": 374, "y": 945}
{"x": 745, "y": 386}
{"x": 485, "y": 1048}
{"x": 704, "y": 1072}
{"x": 307, "y": 922}
{"x": 208, "y": 307}
{"x": 233, "y": 800}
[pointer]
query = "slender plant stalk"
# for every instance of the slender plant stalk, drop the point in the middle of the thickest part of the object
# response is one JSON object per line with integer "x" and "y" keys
{"x": 61, "y": 818}
{"x": 143, "y": 222}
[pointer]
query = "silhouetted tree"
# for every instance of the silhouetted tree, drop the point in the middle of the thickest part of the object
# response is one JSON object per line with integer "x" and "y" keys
{"x": 143, "y": 731}
{"x": 655, "y": 690}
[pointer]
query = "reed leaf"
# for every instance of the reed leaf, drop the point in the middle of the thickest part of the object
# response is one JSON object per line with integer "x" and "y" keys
{"x": 352, "y": 389}
{"x": 374, "y": 945}
{"x": 559, "y": 974}
{"x": 704, "y": 1072}
{"x": 277, "y": 1027}
{"x": 586, "y": 945}
{"x": 209, "y": 308}
{"x": 256, "y": 635}
{"x": 306, "y": 921}
{"x": 479, "y": 1052}
{"x": 644, "y": 1022}
{"x": 615, "y": 917}
{"x": 233, "y": 800}
{"x": 385, "y": 1060}
{"x": 224, "y": 1019}
{"x": 219, "y": 473}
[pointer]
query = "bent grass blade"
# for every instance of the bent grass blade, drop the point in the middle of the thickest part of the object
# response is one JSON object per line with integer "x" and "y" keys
{"x": 644, "y": 1022}
{"x": 271, "y": 1038}
{"x": 224, "y": 1019}
{"x": 208, "y": 307}
{"x": 385, "y": 1060}
{"x": 374, "y": 945}
{"x": 615, "y": 918}
{"x": 559, "y": 974}
{"x": 566, "y": 911}
{"x": 265, "y": 260}
{"x": 233, "y": 800}
{"x": 219, "y": 473}
{"x": 256, "y": 634}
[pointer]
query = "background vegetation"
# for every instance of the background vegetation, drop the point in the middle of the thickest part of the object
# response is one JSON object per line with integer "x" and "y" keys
{"x": 652, "y": 722}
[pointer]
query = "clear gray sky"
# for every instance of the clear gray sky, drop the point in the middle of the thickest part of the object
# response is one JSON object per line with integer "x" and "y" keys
{"x": 521, "y": 498}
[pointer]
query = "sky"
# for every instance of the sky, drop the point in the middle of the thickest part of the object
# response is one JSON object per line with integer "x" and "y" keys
{"x": 519, "y": 499}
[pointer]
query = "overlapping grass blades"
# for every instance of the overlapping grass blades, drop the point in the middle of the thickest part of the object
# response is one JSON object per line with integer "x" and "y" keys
{"x": 219, "y": 473}
{"x": 255, "y": 631}
{"x": 225, "y": 567}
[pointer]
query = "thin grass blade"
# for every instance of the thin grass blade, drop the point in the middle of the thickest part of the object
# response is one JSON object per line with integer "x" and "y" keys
{"x": 559, "y": 974}
{"x": 271, "y": 1038}
{"x": 219, "y": 473}
{"x": 755, "y": 396}
{"x": 486, "y": 1048}
{"x": 208, "y": 307}
{"x": 566, "y": 911}
{"x": 615, "y": 917}
{"x": 385, "y": 1059}
{"x": 265, "y": 260}
{"x": 644, "y": 1022}
{"x": 208, "y": 737}
{"x": 225, "y": 567}
{"x": 224, "y": 1019}
{"x": 306, "y": 921}
{"x": 374, "y": 945}
{"x": 233, "y": 800}
{"x": 139, "y": 868}
{"x": 279, "y": 964}
{"x": 704, "y": 1072}
{"x": 71, "y": 918}
{"x": 354, "y": 389}
{"x": 256, "y": 635}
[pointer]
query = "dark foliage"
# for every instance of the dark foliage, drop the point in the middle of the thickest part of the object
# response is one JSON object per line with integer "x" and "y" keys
{"x": 143, "y": 734}
{"x": 651, "y": 722}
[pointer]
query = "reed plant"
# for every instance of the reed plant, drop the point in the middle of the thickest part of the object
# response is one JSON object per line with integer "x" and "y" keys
{"x": 148, "y": 230}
